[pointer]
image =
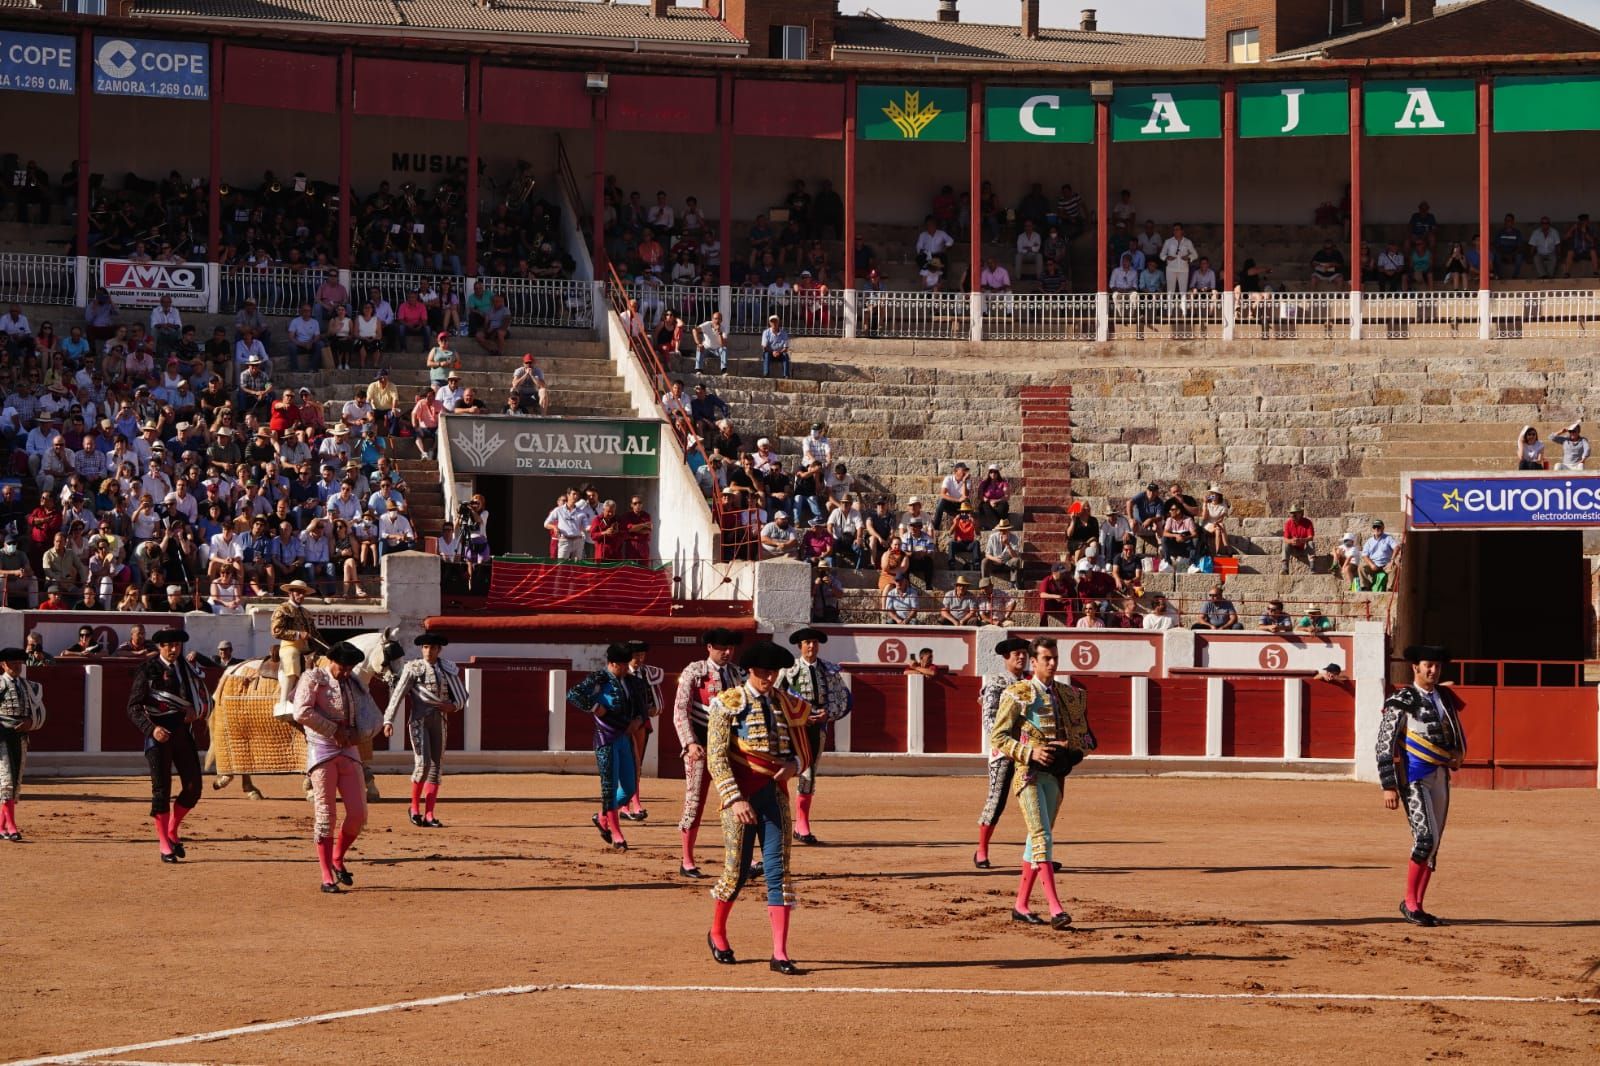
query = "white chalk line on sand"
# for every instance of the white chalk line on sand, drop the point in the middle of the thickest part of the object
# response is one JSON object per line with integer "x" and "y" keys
{"x": 82, "y": 1057}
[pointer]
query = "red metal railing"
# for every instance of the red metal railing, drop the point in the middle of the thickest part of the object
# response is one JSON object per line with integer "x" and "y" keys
{"x": 1523, "y": 673}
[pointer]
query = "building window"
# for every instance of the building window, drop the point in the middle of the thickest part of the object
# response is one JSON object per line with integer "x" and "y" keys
{"x": 1244, "y": 46}
{"x": 1352, "y": 12}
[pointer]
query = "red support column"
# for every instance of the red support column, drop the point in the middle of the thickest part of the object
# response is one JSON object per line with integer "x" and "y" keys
{"x": 1230, "y": 142}
{"x": 85, "y": 98}
{"x": 1355, "y": 184}
{"x": 975, "y": 179}
{"x": 1102, "y": 176}
{"x": 1485, "y": 253}
{"x": 474, "y": 95}
{"x": 347, "y": 92}
{"x": 598, "y": 215}
{"x": 725, "y": 178}
{"x": 214, "y": 193}
{"x": 850, "y": 182}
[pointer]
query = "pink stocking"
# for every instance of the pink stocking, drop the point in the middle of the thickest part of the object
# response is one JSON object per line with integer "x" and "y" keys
{"x": 634, "y": 806}
{"x": 179, "y": 812}
{"x": 346, "y": 838}
{"x": 1416, "y": 878}
{"x": 984, "y": 833}
{"x": 1423, "y": 878}
{"x": 719, "y": 923}
{"x": 8, "y": 816}
{"x": 1047, "y": 872}
{"x": 779, "y": 917}
{"x": 325, "y": 859}
{"x": 430, "y": 794}
{"x": 688, "y": 846}
{"x": 803, "y": 822}
{"x": 614, "y": 820}
{"x": 1025, "y": 887}
{"x": 161, "y": 832}
{"x": 416, "y": 797}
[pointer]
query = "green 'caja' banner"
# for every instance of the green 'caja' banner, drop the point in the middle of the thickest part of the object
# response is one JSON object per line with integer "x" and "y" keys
{"x": 1166, "y": 113}
{"x": 1536, "y": 103}
{"x": 1050, "y": 116}
{"x": 498, "y": 444}
{"x": 911, "y": 113}
{"x": 1294, "y": 109}
{"x": 1420, "y": 107}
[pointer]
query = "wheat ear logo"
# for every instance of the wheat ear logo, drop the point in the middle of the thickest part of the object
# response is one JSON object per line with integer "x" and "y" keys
{"x": 480, "y": 447}
{"x": 913, "y": 118}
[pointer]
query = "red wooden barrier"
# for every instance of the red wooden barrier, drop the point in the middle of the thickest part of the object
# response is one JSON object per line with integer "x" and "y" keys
{"x": 1477, "y": 721}
{"x": 516, "y": 709}
{"x": 878, "y": 722}
{"x": 1110, "y": 711}
{"x": 1178, "y": 716}
{"x": 951, "y": 721}
{"x": 1544, "y": 738}
{"x": 117, "y": 733}
{"x": 63, "y": 699}
{"x": 1328, "y": 720}
{"x": 1252, "y": 717}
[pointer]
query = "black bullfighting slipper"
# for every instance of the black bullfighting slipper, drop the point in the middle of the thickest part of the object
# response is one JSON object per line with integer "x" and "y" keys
{"x": 177, "y": 849}
{"x": 1061, "y": 921}
{"x": 1433, "y": 919}
{"x": 1417, "y": 917}
{"x": 331, "y": 888}
{"x": 167, "y": 856}
{"x": 1027, "y": 918}
{"x": 344, "y": 877}
{"x": 691, "y": 872}
{"x": 605, "y": 834}
{"x": 807, "y": 838}
{"x": 432, "y": 823}
{"x": 722, "y": 955}
{"x": 416, "y": 820}
{"x": 982, "y": 864}
{"x": 785, "y": 967}
{"x": 1057, "y": 867}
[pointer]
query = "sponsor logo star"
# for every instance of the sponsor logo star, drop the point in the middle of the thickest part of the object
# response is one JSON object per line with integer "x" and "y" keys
{"x": 1451, "y": 501}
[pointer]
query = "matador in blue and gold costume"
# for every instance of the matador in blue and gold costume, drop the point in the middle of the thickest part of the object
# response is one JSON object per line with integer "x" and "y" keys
{"x": 620, "y": 704}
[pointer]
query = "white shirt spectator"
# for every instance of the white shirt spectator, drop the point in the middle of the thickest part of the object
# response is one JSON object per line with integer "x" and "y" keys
{"x": 816, "y": 449}
{"x": 1177, "y": 250}
{"x": 225, "y": 546}
{"x": 571, "y": 521}
{"x": 1028, "y": 243}
{"x": 15, "y": 325}
{"x": 1545, "y": 241}
{"x": 168, "y": 316}
{"x": 1166, "y": 618}
{"x": 935, "y": 243}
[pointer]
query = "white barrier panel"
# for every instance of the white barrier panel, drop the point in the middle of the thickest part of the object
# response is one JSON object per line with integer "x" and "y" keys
{"x": 1255, "y": 654}
{"x": 39, "y": 279}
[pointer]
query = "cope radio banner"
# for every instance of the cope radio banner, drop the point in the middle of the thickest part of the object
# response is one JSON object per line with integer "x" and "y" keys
{"x": 168, "y": 70}
{"x": 144, "y": 284}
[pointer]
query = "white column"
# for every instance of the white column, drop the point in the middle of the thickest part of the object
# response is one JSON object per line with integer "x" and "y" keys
{"x": 1229, "y": 310}
{"x": 841, "y": 728}
{"x": 851, "y": 303}
{"x": 1355, "y": 316}
{"x": 975, "y": 316}
{"x": 1369, "y": 668}
{"x": 1102, "y": 316}
{"x": 725, "y": 305}
{"x": 601, "y": 308}
{"x": 81, "y": 279}
{"x": 1139, "y": 701}
{"x": 1485, "y": 312}
{"x": 651, "y": 766}
{"x": 914, "y": 713}
{"x": 472, "y": 717}
{"x": 345, "y": 277}
{"x": 1293, "y": 692}
{"x": 1214, "y": 697}
{"x": 213, "y": 287}
{"x": 93, "y": 694}
{"x": 558, "y": 710}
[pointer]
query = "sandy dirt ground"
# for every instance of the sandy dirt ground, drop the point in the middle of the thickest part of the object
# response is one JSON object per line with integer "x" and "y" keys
{"x": 1207, "y": 888}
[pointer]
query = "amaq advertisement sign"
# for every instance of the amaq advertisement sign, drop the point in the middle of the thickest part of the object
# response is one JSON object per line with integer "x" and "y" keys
{"x": 143, "y": 284}
{"x": 513, "y": 445}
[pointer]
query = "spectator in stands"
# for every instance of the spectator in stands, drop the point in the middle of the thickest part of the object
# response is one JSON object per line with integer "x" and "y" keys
{"x": 826, "y": 592}
{"x": 1457, "y": 274}
{"x": 1314, "y": 622}
{"x": 920, "y": 545}
{"x": 18, "y": 334}
{"x": 959, "y": 607}
{"x": 166, "y": 326}
{"x": 1423, "y": 225}
{"x": 1092, "y": 617}
{"x": 425, "y": 421}
{"x": 932, "y": 242}
{"x": 1126, "y": 567}
{"x": 1299, "y": 538}
{"x": 901, "y": 601}
{"x": 1056, "y": 593}
{"x": 1391, "y": 268}
{"x": 1275, "y": 619}
{"x": 496, "y": 327}
{"x": 1214, "y": 512}
{"x": 395, "y": 532}
{"x": 255, "y": 388}
{"x": 1177, "y": 536}
{"x": 1178, "y": 254}
{"x": 1581, "y": 247}
{"x": 779, "y": 539}
{"x": 1152, "y": 280}
{"x": 774, "y": 347}
{"x": 994, "y": 281}
{"x": 1380, "y": 558}
{"x": 330, "y": 296}
{"x": 994, "y": 497}
{"x": 1161, "y": 615}
{"x": 412, "y": 319}
{"x": 953, "y": 492}
{"x": 1030, "y": 258}
{"x": 1218, "y": 612}
{"x": 1530, "y": 449}
{"x": 1002, "y": 552}
{"x": 1347, "y": 559}
{"x": 1327, "y": 267}
{"x": 1574, "y": 447}
{"x": 305, "y": 339}
{"x": 1419, "y": 267}
{"x": 529, "y": 386}
{"x": 995, "y": 605}
{"x": 1144, "y": 513}
{"x": 1545, "y": 244}
{"x": 338, "y": 335}
{"x": 1508, "y": 249}
{"x": 711, "y": 340}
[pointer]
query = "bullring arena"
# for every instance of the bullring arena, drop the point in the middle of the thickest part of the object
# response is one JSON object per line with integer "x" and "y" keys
{"x": 811, "y": 443}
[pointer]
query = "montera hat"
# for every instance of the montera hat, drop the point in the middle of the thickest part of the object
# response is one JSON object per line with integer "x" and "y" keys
{"x": 721, "y": 637}
{"x": 12, "y": 655}
{"x": 766, "y": 656}
{"x": 618, "y": 652}
{"x": 807, "y": 634}
{"x": 1427, "y": 653}
{"x": 170, "y": 636}
{"x": 1006, "y": 647}
{"x": 437, "y": 640}
{"x": 346, "y": 654}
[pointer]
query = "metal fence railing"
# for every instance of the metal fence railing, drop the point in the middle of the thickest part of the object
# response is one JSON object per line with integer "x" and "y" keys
{"x": 1289, "y": 315}
{"x": 276, "y": 290}
{"x": 692, "y": 304}
{"x": 397, "y": 285}
{"x": 914, "y": 315}
{"x": 545, "y": 302}
{"x": 1040, "y": 316}
{"x": 1173, "y": 315}
{"x": 1546, "y": 313}
{"x": 1403, "y": 315}
{"x": 39, "y": 279}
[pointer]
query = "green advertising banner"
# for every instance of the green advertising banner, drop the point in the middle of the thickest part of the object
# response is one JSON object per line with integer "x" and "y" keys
{"x": 901, "y": 113}
{"x": 1419, "y": 107}
{"x": 1294, "y": 109}
{"x": 1537, "y": 103}
{"x": 1166, "y": 113}
{"x": 507, "y": 444}
{"x": 1050, "y": 116}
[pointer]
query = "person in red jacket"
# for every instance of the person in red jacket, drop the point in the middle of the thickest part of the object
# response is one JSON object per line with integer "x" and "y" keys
{"x": 606, "y": 532}
{"x": 1056, "y": 593}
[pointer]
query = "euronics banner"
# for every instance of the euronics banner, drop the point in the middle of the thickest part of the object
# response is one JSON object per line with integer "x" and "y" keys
{"x": 1540, "y": 102}
{"x": 173, "y": 70}
{"x": 1420, "y": 107}
{"x": 1050, "y": 116}
{"x": 1555, "y": 501}
{"x": 1294, "y": 109}
{"x": 910, "y": 113}
{"x": 506, "y": 444}
{"x": 38, "y": 63}
{"x": 1166, "y": 113}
